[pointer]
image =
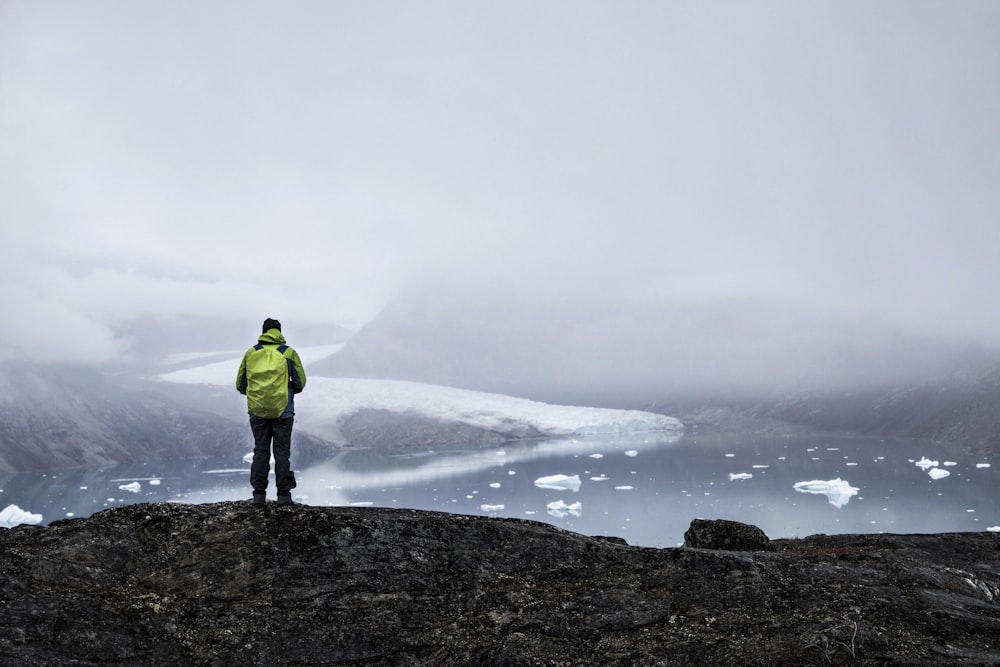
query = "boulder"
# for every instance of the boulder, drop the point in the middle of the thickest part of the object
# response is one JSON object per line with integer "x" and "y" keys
{"x": 726, "y": 535}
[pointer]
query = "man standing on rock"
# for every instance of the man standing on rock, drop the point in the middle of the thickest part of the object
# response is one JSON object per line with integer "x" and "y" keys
{"x": 270, "y": 375}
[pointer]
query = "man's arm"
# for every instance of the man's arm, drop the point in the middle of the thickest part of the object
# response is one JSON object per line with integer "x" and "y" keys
{"x": 296, "y": 374}
{"x": 241, "y": 376}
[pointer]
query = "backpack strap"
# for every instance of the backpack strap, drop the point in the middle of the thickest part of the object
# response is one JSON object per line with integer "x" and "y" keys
{"x": 260, "y": 346}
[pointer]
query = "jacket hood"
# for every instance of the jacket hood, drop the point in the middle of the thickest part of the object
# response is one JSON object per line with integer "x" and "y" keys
{"x": 272, "y": 337}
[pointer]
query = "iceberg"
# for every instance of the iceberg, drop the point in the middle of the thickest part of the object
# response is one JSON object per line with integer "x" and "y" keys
{"x": 559, "y": 482}
{"x": 836, "y": 490}
{"x": 739, "y": 475}
{"x": 12, "y": 515}
{"x": 926, "y": 463}
{"x": 938, "y": 473}
{"x": 134, "y": 487}
{"x": 559, "y": 509}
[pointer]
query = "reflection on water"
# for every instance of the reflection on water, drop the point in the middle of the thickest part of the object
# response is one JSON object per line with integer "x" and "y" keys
{"x": 645, "y": 489}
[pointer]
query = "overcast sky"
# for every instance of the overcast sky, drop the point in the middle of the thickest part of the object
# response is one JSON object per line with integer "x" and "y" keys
{"x": 306, "y": 160}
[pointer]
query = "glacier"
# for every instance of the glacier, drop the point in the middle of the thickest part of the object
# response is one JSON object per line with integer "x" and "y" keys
{"x": 327, "y": 401}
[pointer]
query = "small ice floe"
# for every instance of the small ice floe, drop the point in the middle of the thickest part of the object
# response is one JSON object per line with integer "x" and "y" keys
{"x": 739, "y": 475}
{"x": 559, "y": 482}
{"x": 759, "y": 466}
{"x": 600, "y": 478}
{"x": 559, "y": 509}
{"x": 982, "y": 465}
{"x": 511, "y": 472}
{"x": 837, "y": 491}
{"x": 597, "y": 456}
{"x": 154, "y": 482}
{"x": 12, "y": 515}
{"x": 134, "y": 487}
{"x": 926, "y": 463}
{"x": 631, "y": 452}
{"x": 624, "y": 487}
{"x": 938, "y": 473}
{"x": 495, "y": 485}
{"x": 949, "y": 464}
{"x": 491, "y": 508}
{"x": 994, "y": 529}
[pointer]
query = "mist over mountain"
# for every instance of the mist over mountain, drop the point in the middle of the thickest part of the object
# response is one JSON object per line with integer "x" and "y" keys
{"x": 628, "y": 353}
{"x": 148, "y": 341}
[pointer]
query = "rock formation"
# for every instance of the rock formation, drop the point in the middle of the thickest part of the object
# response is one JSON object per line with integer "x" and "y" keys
{"x": 233, "y": 584}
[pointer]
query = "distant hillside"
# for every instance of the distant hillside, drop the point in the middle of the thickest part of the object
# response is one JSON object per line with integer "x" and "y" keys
{"x": 962, "y": 409}
{"x": 61, "y": 416}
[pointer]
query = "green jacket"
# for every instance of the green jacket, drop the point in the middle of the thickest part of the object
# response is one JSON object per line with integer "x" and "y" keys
{"x": 245, "y": 380}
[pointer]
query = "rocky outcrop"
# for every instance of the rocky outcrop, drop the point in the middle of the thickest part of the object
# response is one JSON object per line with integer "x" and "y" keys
{"x": 726, "y": 535}
{"x": 234, "y": 584}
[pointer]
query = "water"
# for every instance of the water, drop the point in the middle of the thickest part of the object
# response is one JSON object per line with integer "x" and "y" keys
{"x": 644, "y": 489}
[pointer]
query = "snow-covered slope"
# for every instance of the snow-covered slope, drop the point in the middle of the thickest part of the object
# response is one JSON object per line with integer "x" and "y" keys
{"x": 328, "y": 401}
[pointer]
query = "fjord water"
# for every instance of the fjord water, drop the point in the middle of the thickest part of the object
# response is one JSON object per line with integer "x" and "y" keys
{"x": 645, "y": 488}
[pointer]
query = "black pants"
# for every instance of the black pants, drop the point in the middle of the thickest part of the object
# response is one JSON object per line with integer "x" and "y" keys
{"x": 268, "y": 433}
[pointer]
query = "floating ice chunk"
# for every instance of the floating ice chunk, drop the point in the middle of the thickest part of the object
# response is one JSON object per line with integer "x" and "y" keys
{"x": 949, "y": 464}
{"x": 760, "y": 466}
{"x": 600, "y": 478}
{"x": 982, "y": 465}
{"x": 248, "y": 458}
{"x": 836, "y": 490}
{"x": 559, "y": 509}
{"x": 495, "y": 485}
{"x": 937, "y": 473}
{"x": 134, "y": 487}
{"x": 559, "y": 482}
{"x": 926, "y": 463}
{"x": 154, "y": 482}
{"x": 631, "y": 452}
{"x": 491, "y": 508}
{"x": 739, "y": 475}
{"x": 12, "y": 515}
{"x": 994, "y": 529}
{"x": 624, "y": 488}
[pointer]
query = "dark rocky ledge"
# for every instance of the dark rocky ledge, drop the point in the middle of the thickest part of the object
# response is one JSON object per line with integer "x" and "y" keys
{"x": 233, "y": 584}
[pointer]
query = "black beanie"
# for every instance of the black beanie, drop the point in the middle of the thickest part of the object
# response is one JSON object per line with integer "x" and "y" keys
{"x": 270, "y": 323}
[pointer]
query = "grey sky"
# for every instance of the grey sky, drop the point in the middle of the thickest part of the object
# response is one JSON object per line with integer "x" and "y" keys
{"x": 308, "y": 159}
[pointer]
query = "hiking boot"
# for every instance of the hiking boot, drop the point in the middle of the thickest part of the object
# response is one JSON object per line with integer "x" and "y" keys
{"x": 284, "y": 499}
{"x": 259, "y": 498}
